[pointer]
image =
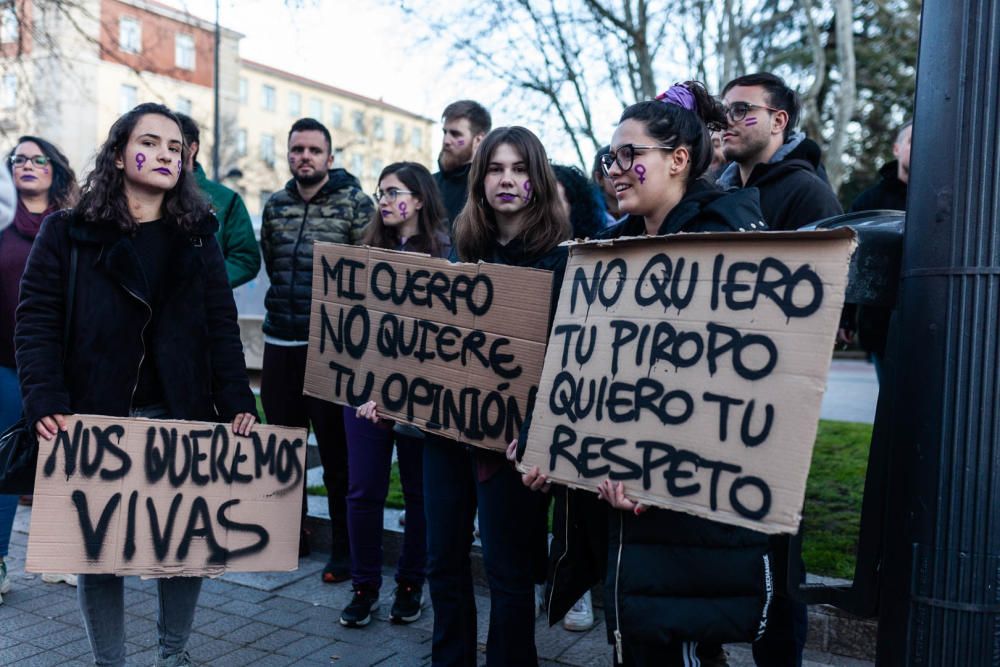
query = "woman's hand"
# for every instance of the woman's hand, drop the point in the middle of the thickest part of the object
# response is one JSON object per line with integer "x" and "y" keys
{"x": 614, "y": 494}
{"x": 533, "y": 479}
{"x": 47, "y": 427}
{"x": 243, "y": 423}
{"x": 369, "y": 411}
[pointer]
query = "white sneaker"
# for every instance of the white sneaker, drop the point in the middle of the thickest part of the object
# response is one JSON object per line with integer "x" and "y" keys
{"x": 59, "y": 579}
{"x": 581, "y": 617}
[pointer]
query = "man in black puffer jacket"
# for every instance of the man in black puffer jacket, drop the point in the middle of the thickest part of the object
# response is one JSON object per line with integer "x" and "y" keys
{"x": 318, "y": 204}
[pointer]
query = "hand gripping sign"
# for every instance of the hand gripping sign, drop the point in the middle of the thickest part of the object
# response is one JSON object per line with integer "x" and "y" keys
{"x": 165, "y": 498}
{"x": 691, "y": 368}
{"x": 451, "y": 348}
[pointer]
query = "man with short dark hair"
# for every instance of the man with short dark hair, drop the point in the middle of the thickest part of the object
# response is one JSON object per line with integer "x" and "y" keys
{"x": 768, "y": 154}
{"x": 466, "y": 123}
{"x": 785, "y": 166}
{"x": 319, "y": 203}
{"x": 235, "y": 235}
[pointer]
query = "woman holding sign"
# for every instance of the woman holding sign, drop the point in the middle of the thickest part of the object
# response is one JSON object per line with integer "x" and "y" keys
{"x": 513, "y": 216}
{"x": 679, "y": 586}
{"x": 152, "y": 330}
{"x": 410, "y": 217}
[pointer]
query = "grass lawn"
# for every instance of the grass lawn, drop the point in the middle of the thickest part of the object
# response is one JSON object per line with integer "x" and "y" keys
{"x": 833, "y": 497}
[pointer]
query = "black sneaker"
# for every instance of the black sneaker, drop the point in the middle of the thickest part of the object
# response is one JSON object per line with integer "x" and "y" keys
{"x": 406, "y": 607}
{"x": 336, "y": 570}
{"x": 358, "y": 613}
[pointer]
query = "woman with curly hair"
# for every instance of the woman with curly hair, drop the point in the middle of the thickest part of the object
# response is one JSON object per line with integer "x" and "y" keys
{"x": 152, "y": 330}
{"x": 44, "y": 183}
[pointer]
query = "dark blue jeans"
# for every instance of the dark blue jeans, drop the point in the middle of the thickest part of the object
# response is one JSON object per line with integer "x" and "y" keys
{"x": 506, "y": 511}
{"x": 369, "y": 453}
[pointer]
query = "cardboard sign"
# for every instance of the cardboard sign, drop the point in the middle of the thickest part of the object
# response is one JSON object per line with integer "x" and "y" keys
{"x": 453, "y": 348}
{"x": 164, "y": 498}
{"x": 692, "y": 368}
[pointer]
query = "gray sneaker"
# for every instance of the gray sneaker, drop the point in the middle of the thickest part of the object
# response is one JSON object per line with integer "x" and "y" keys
{"x": 181, "y": 659}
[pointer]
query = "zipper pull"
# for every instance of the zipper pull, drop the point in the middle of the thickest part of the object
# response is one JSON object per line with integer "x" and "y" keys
{"x": 618, "y": 646}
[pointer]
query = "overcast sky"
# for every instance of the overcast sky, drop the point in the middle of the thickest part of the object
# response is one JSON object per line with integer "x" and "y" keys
{"x": 365, "y": 47}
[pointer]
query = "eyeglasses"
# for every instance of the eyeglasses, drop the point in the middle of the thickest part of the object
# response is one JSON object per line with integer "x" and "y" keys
{"x": 737, "y": 111}
{"x": 624, "y": 156}
{"x": 37, "y": 160}
{"x": 391, "y": 194}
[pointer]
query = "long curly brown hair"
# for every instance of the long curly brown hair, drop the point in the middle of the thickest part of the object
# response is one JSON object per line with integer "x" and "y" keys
{"x": 103, "y": 200}
{"x": 545, "y": 224}
{"x": 64, "y": 192}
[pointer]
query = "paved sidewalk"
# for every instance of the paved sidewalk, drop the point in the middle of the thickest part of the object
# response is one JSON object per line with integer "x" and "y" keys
{"x": 270, "y": 619}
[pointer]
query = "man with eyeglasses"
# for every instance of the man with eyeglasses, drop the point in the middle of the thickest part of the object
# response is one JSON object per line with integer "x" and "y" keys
{"x": 767, "y": 153}
{"x": 466, "y": 123}
{"x": 785, "y": 166}
{"x": 319, "y": 203}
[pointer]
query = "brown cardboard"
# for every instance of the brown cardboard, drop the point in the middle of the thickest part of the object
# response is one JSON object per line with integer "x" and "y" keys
{"x": 516, "y": 320}
{"x": 266, "y": 505}
{"x": 567, "y": 442}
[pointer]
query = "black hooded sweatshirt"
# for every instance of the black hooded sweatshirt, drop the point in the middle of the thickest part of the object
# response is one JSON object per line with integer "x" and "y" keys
{"x": 454, "y": 187}
{"x": 793, "y": 191}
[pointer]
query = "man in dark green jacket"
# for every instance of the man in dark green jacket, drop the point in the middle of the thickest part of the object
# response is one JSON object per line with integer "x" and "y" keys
{"x": 235, "y": 235}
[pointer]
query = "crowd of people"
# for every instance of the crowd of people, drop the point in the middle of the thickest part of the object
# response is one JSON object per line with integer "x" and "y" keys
{"x": 120, "y": 303}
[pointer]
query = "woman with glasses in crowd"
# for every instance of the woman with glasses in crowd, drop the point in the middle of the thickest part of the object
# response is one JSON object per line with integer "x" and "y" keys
{"x": 409, "y": 216}
{"x": 152, "y": 330}
{"x": 44, "y": 183}
{"x": 678, "y": 586}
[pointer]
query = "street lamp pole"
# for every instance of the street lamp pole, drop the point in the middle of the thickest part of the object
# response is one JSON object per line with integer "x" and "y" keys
{"x": 940, "y": 591}
{"x": 216, "y": 134}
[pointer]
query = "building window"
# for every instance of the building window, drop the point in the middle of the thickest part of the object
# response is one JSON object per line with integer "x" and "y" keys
{"x": 267, "y": 97}
{"x": 294, "y": 105}
{"x": 357, "y": 163}
{"x": 400, "y": 134}
{"x": 244, "y": 91}
{"x": 378, "y": 127}
{"x": 417, "y": 138}
{"x": 241, "y": 143}
{"x": 315, "y": 108}
{"x": 8, "y": 25}
{"x": 267, "y": 149}
{"x": 264, "y": 196}
{"x": 358, "y": 121}
{"x": 8, "y": 91}
{"x": 184, "y": 51}
{"x": 184, "y": 105}
{"x": 128, "y": 98}
{"x": 129, "y": 34}
{"x": 377, "y": 167}
{"x": 336, "y": 116}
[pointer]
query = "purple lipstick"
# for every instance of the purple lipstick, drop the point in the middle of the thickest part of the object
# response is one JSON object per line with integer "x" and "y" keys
{"x": 163, "y": 170}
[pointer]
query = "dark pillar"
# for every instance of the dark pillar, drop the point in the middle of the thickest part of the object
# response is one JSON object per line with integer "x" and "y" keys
{"x": 940, "y": 597}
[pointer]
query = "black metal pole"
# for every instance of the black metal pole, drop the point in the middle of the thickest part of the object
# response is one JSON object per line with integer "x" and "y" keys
{"x": 940, "y": 594}
{"x": 216, "y": 134}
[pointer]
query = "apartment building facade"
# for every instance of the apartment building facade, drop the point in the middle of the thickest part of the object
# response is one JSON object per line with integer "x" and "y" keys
{"x": 84, "y": 63}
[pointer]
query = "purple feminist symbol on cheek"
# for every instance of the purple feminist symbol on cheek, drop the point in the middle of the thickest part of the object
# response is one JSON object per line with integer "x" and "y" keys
{"x": 402, "y": 209}
{"x": 139, "y": 159}
{"x": 179, "y": 165}
{"x": 750, "y": 121}
{"x": 640, "y": 171}
{"x": 459, "y": 142}
{"x": 527, "y": 190}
